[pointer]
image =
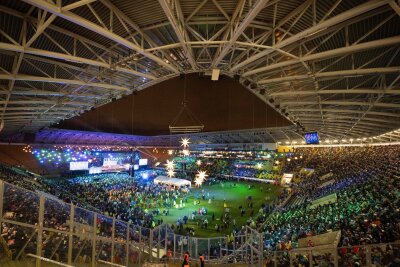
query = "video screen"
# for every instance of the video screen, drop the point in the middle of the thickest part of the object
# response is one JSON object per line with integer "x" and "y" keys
{"x": 78, "y": 165}
{"x": 142, "y": 162}
{"x": 312, "y": 138}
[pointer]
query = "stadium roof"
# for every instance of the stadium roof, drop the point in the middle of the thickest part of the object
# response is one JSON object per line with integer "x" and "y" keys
{"x": 327, "y": 65}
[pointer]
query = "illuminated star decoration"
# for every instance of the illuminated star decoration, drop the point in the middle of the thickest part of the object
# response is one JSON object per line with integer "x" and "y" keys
{"x": 171, "y": 173}
{"x": 170, "y": 165}
{"x": 170, "y": 168}
{"x": 200, "y": 178}
{"x": 185, "y": 142}
{"x": 259, "y": 165}
{"x": 198, "y": 182}
{"x": 186, "y": 152}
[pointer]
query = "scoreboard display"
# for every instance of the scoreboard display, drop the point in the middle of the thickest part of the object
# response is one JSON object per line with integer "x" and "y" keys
{"x": 312, "y": 138}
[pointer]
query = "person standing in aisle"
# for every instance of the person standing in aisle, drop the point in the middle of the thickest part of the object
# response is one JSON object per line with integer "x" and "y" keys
{"x": 185, "y": 262}
{"x": 201, "y": 260}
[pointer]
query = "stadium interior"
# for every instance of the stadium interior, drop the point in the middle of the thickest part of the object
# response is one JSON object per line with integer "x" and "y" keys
{"x": 199, "y": 133}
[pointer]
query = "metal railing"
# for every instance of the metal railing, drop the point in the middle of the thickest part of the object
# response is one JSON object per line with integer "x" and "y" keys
{"x": 37, "y": 228}
{"x": 37, "y": 224}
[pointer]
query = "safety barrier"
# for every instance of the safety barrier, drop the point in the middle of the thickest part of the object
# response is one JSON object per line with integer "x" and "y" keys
{"x": 39, "y": 231}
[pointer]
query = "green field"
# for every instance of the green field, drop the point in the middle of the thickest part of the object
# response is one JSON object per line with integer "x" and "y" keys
{"x": 235, "y": 195}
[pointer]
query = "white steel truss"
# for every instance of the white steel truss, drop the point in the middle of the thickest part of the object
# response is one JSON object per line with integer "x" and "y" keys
{"x": 326, "y": 65}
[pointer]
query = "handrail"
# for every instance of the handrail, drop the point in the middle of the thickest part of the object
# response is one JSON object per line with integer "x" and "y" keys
{"x": 110, "y": 263}
{"x": 48, "y": 260}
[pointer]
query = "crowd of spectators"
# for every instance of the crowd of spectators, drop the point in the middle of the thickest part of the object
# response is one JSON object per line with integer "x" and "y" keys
{"x": 366, "y": 181}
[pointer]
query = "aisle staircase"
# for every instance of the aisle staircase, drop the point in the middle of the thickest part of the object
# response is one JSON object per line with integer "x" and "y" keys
{"x": 294, "y": 201}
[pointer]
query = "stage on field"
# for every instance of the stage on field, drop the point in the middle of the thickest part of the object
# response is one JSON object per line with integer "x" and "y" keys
{"x": 176, "y": 182}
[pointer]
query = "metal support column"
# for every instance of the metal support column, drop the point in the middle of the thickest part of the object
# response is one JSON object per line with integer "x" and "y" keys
{"x": 368, "y": 255}
{"x": 1, "y": 203}
{"x": 220, "y": 248}
{"x": 71, "y": 233}
{"x": 40, "y": 231}
{"x": 251, "y": 255}
{"x": 158, "y": 243}
{"x": 113, "y": 240}
{"x": 209, "y": 255}
{"x": 141, "y": 246}
{"x": 94, "y": 239}
{"x": 127, "y": 244}
{"x": 151, "y": 246}
{"x": 195, "y": 249}
{"x": 166, "y": 239}
{"x": 174, "y": 255}
{"x": 261, "y": 250}
{"x": 246, "y": 247}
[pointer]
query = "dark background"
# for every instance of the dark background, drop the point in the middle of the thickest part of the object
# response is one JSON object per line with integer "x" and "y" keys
{"x": 219, "y": 105}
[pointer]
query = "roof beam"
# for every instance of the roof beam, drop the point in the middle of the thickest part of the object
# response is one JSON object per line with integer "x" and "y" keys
{"x": 70, "y": 58}
{"x": 178, "y": 24}
{"x": 17, "y": 60}
{"x": 36, "y": 108}
{"x": 345, "y": 121}
{"x": 11, "y": 114}
{"x": 329, "y": 116}
{"x": 329, "y": 54}
{"x": 67, "y": 15}
{"x": 44, "y": 101}
{"x": 77, "y": 4}
{"x": 24, "y": 77}
{"x": 322, "y": 26}
{"x": 343, "y": 128}
{"x": 339, "y": 102}
{"x": 336, "y": 91}
{"x": 228, "y": 28}
{"x": 257, "y": 7}
{"x": 341, "y": 73}
{"x": 348, "y": 111}
{"x": 340, "y": 131}
{"x": 31, "y": 92}
{"x": 125, "y": 19}
{"x": 40, "y": 29}
{"x": 63, "y": 31}
{"x": 395, "y": 6}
